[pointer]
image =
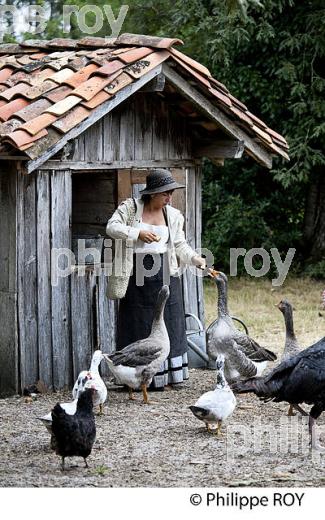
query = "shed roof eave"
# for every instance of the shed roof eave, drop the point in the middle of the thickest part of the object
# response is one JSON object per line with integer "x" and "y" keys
{"x": 259, "y": 153}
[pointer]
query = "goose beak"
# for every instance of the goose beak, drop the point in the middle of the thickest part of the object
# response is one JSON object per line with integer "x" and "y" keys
{"x": 212, "y": 273}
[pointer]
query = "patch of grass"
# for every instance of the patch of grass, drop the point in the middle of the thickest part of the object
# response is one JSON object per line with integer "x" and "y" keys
{"x": 100, "y": 470}
{"x": 254, "y": 300}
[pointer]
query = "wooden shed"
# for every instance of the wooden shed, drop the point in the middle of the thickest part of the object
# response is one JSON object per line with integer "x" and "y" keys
{"x": 81, "y": 123}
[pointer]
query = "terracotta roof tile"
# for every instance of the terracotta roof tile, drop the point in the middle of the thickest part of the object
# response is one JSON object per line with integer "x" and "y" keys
{"x": 58, "y": 93}
{"x": 147, "y": 41}
{"x": 62, "y": 75}
{"x": 238, "y": 103}
{"x": 95, "y": 41}
{"x": 38, "y": 123}
{"x": 219, "y": 85}
{"x": 242, "y": 115}
{"x": 262, "y": 134}
{"x": 220, "y": 96}
{"x": 71, "y": 119}
{"x": 256, "y": 120}
{"x": 61, "y": 107}
{"x": 192, "y": 63}
{"x": 82, "y": 75}
{"x": 141, "y": 67}
{"x": 193, "y": 72}
{"x": 23, "y": 60}
{"x": 100, "y": 98}
{"x": 21, "y": 137}
{"x": 38, "y": 55}
{"x": 91, "y": 87}
{"x": 42, "y": 75}
{"x": 18, "y": 77}
{"x": 5, "y": 73}
{"x": 278, "y": 137}
{"x": 8, "y": 109}
{"x": 117, "y": 84}
{"x": 9, "y": 126}
{"x": 35, "y": 149}
{"x": 78, "y": 63}
{"x": 19, "y": 89}
{"x": 39, "y": 90}
{"x": 110, "y": 68}
{"x": 121, "y": 50}
{"x": 79, "y": 75}
{"x": 33, "y": 110}
{"x": 135, "y": 54}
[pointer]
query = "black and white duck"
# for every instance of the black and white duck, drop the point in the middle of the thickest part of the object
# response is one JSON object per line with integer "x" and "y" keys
{"x": 215, "y": 406}
{"x": 92, "y": 375}
{"x": 244, "y": 357}
{"x": 299, "y": 379}
{"x": 136, "y": 364}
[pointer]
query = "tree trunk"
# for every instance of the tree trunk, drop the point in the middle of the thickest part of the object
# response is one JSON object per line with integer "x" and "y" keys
{"x": 314, "y": 220}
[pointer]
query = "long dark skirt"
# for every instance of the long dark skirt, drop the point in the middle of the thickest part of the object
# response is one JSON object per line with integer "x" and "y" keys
{"x": 136, "y": 314}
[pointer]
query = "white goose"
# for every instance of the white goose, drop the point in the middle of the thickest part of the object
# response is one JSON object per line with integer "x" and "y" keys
{"x": 215, "y": 406}
{"x": 136, "y": 364}
{"x": 96, "y": 381}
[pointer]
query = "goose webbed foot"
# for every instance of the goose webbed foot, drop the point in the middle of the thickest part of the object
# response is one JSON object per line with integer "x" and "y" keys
{"x": 291, "y": 413}
{"x": 86, "y": 463}
{"x": 131, "y": 396}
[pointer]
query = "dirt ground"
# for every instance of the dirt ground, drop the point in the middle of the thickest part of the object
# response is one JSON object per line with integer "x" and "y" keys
{"x": 163, "y": 445}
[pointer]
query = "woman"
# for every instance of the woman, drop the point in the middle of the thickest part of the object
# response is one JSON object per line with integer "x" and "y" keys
{"x": 158, "y": 238}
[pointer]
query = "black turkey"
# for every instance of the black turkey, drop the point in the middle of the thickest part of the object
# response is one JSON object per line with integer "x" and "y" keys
{"x": 299, "y": 379}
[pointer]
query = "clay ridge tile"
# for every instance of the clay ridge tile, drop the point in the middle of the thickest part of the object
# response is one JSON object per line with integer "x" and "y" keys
{"x": 147, "y": 41}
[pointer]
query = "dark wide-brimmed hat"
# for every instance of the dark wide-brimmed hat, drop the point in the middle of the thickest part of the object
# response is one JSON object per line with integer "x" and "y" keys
{"x": 160, "y": 180}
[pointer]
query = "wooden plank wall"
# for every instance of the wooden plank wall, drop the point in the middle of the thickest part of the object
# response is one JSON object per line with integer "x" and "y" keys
{"x": 43, "y": 222}
{"x": 141, "y": 128}
{"x": 27, "y": 278}
{"x": 59, "y": 325}
{"x": 8, "y": 291}
{"x": 192, "y": 284}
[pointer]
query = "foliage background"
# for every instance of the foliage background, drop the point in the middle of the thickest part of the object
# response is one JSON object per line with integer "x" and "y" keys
{"x": 270, "y": 55}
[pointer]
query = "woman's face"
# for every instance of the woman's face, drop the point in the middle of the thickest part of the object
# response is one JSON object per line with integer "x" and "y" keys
{"x": 164, "y": 198}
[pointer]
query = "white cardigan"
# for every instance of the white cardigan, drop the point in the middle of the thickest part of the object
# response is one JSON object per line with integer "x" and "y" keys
{"x": 177, "y": 247}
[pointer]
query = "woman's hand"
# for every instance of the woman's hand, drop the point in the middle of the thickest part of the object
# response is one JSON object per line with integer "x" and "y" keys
{"x": 148, "y": 237}
{"x": 199, "y": 262}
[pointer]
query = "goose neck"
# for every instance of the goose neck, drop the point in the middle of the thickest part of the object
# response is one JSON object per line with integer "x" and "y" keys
{"x": 222, "y": 300}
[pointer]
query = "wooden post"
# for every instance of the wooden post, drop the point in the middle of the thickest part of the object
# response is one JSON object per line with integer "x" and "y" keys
{"x": 124, "y": 190}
